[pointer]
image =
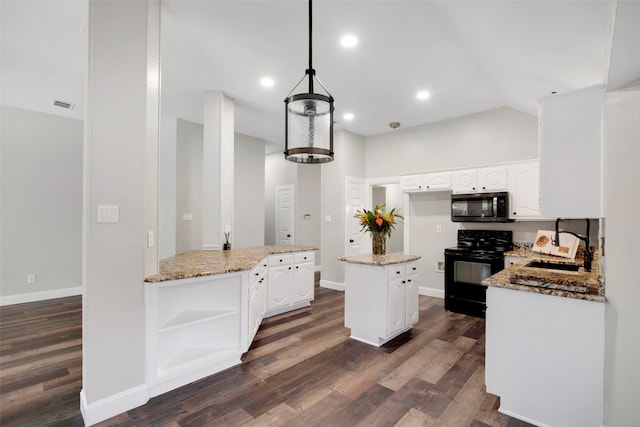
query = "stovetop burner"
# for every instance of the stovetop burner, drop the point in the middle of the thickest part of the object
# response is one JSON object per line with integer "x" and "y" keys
{"x": 483, "y": 242}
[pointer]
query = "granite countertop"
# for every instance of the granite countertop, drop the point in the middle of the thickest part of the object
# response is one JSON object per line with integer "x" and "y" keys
{"x": 570, "y": 284}
{"x": 388, "y": 259}
{"x": 206, "y": 263}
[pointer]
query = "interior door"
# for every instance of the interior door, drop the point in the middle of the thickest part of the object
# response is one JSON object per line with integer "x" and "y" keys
{"x": 284, "y": 215}
{"x": 354, "y": 200}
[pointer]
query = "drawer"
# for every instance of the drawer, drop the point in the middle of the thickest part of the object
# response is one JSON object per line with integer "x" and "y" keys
{"x": 412, "y": 268}
{"x": 282, "y": 259}
{"x": 396, "y": 271}
{"x": 303, "y": 257}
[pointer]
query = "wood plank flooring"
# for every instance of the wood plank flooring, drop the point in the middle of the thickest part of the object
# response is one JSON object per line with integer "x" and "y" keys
{"x": 302, "y": 370}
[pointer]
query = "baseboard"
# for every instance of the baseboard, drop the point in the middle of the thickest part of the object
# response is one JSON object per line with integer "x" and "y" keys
{"x": 431, "y": 292}
{"x": 521, "y": 418}
{"x": 110, "y": 406}
{"x": 40, "y": 296}
{"x": 336, "y": 286}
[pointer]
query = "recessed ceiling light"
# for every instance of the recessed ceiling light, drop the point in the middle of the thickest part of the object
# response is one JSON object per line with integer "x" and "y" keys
{"x": 348, "y": 116}
{"x": 422, "y": 95}
{"x": 349, "y": 40}
{"x": 267, "y": 82}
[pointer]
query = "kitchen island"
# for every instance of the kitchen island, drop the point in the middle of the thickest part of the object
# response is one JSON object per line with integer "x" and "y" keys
{"x": 381, "y": 296}
{"x": 203, "y": 308}
{"x": 545, "y": 342}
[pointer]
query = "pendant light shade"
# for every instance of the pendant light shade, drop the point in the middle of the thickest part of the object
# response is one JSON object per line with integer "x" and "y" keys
{"x": 309, "y": 120}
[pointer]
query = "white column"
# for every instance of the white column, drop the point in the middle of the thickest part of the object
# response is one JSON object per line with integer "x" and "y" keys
{"x": 120, "y": 180}
{"x": 217, "y": 171}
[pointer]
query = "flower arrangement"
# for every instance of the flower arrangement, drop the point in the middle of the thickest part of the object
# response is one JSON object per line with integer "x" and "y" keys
{"x": 376, "y": 221}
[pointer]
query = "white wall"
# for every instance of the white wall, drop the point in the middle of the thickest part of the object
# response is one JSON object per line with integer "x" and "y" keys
{"x": 249, "y": 202}
{"x": 41, "y": 205}
{"x": 188, "y": 186}
{"x": 349, "y": 151}
{"x": 116, "y": 165}
{"x": 622, "y": 316}
{"x": 494, "y": 136}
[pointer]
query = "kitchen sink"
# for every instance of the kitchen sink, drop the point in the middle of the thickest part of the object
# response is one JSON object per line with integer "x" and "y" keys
{"x": 553, "y": 266}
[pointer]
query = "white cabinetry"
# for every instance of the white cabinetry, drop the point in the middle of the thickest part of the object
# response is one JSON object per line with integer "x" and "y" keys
{"x": 510, "y": 261}
{"x": 434, "y": 181}
{"x": 381, "y": 302}
{"x": 290, "y": 282}
{"x": 544, "y": 357}
{"x": 194, "y": 328}
{"x": 524, "y": 190}
{"x": 492, "y": 178}
{"x": 257, "y": 298}
{"x": 570, "y": 132}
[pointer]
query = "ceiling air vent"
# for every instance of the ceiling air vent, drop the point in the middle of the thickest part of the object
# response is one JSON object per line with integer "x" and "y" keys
{"x": 63, "y": 104}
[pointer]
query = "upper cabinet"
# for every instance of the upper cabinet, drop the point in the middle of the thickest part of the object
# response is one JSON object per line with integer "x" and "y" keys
{"x": 570, "y": 133}
{"x": 434, "y": 181}
{"x": 524, "y": 190}
{"x": 492, "y": 178}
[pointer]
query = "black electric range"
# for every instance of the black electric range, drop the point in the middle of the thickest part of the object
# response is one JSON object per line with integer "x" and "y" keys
{"x": 478, "y": 255}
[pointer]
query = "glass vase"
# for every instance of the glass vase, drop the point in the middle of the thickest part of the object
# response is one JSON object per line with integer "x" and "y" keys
{"x": 378, "y": 243}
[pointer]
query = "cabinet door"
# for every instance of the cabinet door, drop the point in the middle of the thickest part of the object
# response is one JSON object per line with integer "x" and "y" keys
{"x": 412, "y": 310}
{"x": 279, "y": 286}
{"x": 523, "y": 188}
{"x": 570, "y": 132}
{"x": 411, "y": 183}
{"x": 465, "y": 181}
{"x": 492, "y": 179}
{"x": 396, "y": 316}
{"x": 303, "y": 278}
{"x": 437, "y": 181}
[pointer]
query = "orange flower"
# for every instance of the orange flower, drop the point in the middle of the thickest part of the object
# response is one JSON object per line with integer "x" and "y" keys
{"x": 379, "y": 220}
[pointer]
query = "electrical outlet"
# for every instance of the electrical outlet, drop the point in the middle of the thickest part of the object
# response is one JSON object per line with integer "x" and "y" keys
{"x": 31, "y": 278}
{"x": 438, "y": 229}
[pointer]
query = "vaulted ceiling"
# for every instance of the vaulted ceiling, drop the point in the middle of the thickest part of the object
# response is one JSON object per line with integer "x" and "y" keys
{"x": 469, "y": 55}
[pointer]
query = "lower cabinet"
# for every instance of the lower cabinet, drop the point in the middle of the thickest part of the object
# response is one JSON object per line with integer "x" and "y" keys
{"x": 257, "y": 298}
{"x": 544, "y": 357}
{"x": 290, "y": 282}
{"x": 197, "y": 327}
{"x": 194, "y": 328}
{"x": 381, "y": 302}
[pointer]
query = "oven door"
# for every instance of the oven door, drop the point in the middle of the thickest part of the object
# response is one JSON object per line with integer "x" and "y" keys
{"x": 463, "y": 288}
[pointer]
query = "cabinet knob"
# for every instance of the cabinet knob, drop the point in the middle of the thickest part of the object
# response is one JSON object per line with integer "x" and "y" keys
{"x": 350, "y": 240}
{"x": 289, "y": 268}
{"x": 428, "y": 187}
{"x": 404, "y": 281}
{"x": 398, "y": 272}
{"x": 280, "y": 260}
{"x": 305, "y": 258}
{"x": 414, "y": 268}
{"x": 256, "y": 274}
{"x": 297, "y": 267}
{"x": 515, "y": 213}
{"x": 473, "y": 188}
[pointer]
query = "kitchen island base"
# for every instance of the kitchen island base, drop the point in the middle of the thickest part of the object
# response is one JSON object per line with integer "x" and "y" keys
{"x": 381, "y": 300}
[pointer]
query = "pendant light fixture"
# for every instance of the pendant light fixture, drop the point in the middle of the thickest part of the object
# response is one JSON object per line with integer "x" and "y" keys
{"x": 309, "y": 120}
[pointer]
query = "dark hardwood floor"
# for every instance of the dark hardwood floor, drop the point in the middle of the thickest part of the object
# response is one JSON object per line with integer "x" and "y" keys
{"x": 302, "y": 370}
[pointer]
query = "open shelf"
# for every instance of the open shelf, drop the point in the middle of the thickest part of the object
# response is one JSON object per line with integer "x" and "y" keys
{"x": 193, "y": 317}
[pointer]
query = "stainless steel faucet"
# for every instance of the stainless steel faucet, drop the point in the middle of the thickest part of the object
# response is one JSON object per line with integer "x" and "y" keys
{"x": 588, "y": 256}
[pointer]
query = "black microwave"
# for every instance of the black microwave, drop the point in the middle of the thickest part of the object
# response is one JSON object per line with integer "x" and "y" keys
{"x": 480, "y": 207}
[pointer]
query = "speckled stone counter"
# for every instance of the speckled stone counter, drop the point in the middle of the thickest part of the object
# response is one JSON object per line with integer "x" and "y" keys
{"x": 570, "y": 284}
{"x": 388, "y": 259}
{"x": 206, "y": 263}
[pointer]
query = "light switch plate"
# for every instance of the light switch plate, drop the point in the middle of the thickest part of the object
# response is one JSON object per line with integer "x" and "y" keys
{"x": 108, "y": 213}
